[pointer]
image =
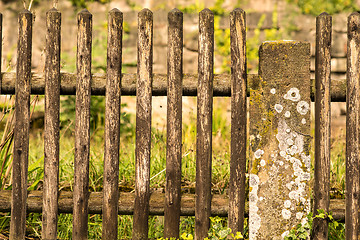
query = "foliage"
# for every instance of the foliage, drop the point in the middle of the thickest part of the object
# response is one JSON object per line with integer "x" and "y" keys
{"x": 338, "y": 166}
{"x": 222, "y": 38}
{"x": 219, "y": 230}
{"x": 83, "y": 3}
{"x": 316, "y": 7}
{"x": 187, "y": 225}
{"x": 192, "y": 8}
{"x": 222, "y": 44}
{"x": 97, "y": 108}
{"x": 97, "y": 114}
{"x": 133, "y": 5}
{"x": 7, "y": 125}
{"x": 303, "y": 231}
{"x": 253, "y": 43}
{"x": 221, "y": 136}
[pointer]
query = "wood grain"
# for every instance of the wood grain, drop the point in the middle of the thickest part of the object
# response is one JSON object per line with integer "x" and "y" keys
{"x": 322, "y": 124}
{"x": 174, "y": 125}
{"x": 51, "y": 128}
{"x": 204, "y": 123}
{"x": 22, "y": 124}
{"x": 82, "y": 126}
{"x": 143, "y": 124}
{"x": 352, "y": 128}
{"x": 112, "y": 126}
{"x": 238, "y": 120}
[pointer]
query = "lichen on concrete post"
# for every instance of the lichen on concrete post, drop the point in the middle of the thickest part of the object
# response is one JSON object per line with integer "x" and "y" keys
{"x": 279, "y": 171}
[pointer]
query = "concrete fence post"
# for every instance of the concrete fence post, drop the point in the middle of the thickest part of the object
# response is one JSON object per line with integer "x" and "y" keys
{"x": 279, "y": 169}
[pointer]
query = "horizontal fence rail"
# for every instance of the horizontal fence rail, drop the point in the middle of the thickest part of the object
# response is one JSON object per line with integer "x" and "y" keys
{"x": 221, "y": 85}
{"x": 219, "y": 204}
{"x": 284, "y": 139}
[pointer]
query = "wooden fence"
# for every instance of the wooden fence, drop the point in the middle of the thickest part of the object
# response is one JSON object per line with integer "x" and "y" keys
{"x": 174, "y": 85}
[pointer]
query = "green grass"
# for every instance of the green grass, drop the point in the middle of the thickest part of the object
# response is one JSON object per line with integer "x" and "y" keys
{"x": 220, "y": 165}
{"x": 221, "y": 135}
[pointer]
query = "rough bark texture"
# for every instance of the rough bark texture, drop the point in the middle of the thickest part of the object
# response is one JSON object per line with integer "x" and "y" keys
{"x": 219, "y": 204}
{"x": 143, "y": 124}
{"x": 204, "y": 123}
{"x": 21, "y": 135}
{"x": 51, "y": 128}
{"x": 112, "y": 126}
{"x": 322, "y": 124}
{"x": 82, "y": 126}
{"x": 352, "y": 128}
{"x": 174, "y": 125}
{"x": 238, "y": 120}
{"x": 280, "y": 140}
{"x": 222, "y": 86}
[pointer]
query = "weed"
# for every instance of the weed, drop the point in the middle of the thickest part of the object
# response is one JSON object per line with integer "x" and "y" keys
{"x": 316, "y": 7}
{"x": 303, "y": 231}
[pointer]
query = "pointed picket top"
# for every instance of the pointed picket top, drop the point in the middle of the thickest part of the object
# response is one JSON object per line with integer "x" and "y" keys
{"x": 145, "y": 13}
{"x": 53, "y": 10}
{"x": 238, "y": 11}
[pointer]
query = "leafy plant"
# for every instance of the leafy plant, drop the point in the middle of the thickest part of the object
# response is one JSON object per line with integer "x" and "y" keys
{"x": 222, "y": 44}
{"x": 219, "y": 230}
{"x": 302, "y": 231}
{"x": 83, "y": 3}
{"x": 192, "y": 8}
{"x": 316, "y": 7}
{"x": 253, "y": 43}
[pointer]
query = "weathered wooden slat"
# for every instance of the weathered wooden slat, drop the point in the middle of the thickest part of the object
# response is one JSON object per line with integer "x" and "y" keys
{"x": 322, "y": 124}
{"x": 219, "y": 204}
{"x": 21, "y": 135}
{"x": 82, "y": 125}
{"x": 204, "y": 123}
{"x": 143, "y": 124}
{"x": 174, "y": 125}
{"x": 128, "y": 88}
{"x": 51, "y": 124}
{"x": 238, "y": 120}
{"x": 112, "y": 126}
{"x": 352, "y": 128}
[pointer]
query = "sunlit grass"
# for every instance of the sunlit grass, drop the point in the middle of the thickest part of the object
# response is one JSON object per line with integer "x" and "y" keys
{"x": 220, "y": 165}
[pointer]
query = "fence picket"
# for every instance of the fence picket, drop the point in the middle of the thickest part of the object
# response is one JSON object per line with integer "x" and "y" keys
{"x": 82, "y": 126}
{"x": 238, "y": 120}
{"x": 279, "y": 136}
{"x": 51, "y": 125}
{"x": 112, "y": 125}
{"x": 352, "y": 128}
{"x": 143, "y": 124}
{"x": 322, "y": 124}
{"x": 22, "y": 124}
{"x": 174, "y": 125}
{"x": 204, "y": 123}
